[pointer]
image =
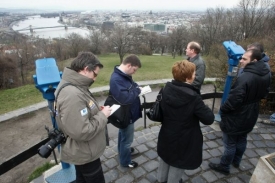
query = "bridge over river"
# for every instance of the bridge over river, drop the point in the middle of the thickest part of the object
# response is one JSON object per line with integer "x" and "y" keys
{"x": 31, "y": 28}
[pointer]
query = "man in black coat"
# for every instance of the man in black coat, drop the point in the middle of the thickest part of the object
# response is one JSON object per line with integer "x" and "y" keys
{"x": 239, "y": 113}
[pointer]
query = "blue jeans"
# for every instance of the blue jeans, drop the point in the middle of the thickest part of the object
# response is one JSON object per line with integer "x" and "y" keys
{"x": 234, "y": 148}
{"x": 125, "y": 139}
{"x": 89, "y": 172}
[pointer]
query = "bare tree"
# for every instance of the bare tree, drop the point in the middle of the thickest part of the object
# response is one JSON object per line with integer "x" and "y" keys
{"x": 254, "y": 16}
{"x": 25, "y": 55}
{"x": 76, "y": 44}
{"x": 60, "y": 48}
{"x": 162, "y": 43}
{"x": 151, "y": 41}
{"x": 178, "y": 40}
{"x": 8, "y": 76}
{"x": 96, "y": 38}
{"x": 122, "y": 40}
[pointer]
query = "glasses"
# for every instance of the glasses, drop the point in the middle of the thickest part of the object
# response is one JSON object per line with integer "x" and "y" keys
{"x": 95, "y": 74}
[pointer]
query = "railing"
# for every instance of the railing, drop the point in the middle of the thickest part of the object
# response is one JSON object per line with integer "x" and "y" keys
{"x": 24, "y": 155}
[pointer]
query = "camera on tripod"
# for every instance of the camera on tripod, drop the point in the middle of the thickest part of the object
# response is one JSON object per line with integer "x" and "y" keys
{"x": 57, "y": 137}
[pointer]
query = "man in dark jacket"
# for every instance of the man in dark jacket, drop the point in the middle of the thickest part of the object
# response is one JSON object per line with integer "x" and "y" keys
{"x": 126, "y": 91}
{"x": 257, "y": 46}
{"x": 240, "y": 111}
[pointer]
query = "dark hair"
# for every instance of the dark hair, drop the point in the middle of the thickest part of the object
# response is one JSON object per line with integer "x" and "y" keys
{"x": 255, "y": 54}
{"x": 256, "y": 46}
{"x": 183, "y": 70}
{"x": 195, "y": 46}
{"x": 85, "y": 59}
{"x": 133, "y": 60}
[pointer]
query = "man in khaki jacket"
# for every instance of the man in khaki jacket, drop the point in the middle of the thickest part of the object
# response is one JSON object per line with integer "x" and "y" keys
{"x": 81, "y": 119}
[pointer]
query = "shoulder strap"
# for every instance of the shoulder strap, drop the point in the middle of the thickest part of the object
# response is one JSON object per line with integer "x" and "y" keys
{"x": 61, "y": 87}
{"x": 55, "y": 100}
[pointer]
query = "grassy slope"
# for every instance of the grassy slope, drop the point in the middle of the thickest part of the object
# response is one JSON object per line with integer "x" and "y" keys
{"x": 153, "y": 67}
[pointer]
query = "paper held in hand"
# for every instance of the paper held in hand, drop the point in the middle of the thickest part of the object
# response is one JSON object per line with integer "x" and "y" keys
{"x": 114, "y": 107}
{"x": 145, "y": 90}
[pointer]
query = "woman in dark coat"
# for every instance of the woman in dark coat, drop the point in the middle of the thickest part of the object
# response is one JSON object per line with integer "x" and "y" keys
{"x": 180, "y": 138}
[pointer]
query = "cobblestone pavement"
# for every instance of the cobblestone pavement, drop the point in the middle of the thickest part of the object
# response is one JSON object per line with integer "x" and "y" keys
{"x": 260, "y": 143}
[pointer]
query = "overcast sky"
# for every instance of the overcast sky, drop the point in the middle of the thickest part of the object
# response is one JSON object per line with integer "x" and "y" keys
{"x": 119, "y": 4}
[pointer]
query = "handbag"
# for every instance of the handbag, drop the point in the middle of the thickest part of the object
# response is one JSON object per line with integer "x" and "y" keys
{"x": 155, "y": 112}
{"x": 121, "y": 117}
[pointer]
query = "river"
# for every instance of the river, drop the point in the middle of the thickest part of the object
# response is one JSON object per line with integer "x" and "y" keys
{"x": 46, "y": 33}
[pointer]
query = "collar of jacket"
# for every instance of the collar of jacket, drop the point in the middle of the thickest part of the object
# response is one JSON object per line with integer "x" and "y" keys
{"x": 265, "y": 58}
{"x": 193, "y": 58}
{"x": 258, "y": 67}
{"x": 182, "y": 84}
{"x": 118, "y": 71}
{"x": 75, "y": 78}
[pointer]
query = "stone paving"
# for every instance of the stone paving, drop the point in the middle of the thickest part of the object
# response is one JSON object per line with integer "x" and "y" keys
{"x": 260, "y": 143}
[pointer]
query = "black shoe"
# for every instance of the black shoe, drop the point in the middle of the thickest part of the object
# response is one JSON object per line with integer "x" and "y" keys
{"x": 218, "y": 168}
{"x": 235, "y": 165}
{"x": 133, "y": 164}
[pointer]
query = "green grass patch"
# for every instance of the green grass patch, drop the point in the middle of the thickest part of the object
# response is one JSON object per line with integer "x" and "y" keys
{"x": 15, "y": 98}
{"x": 39, "y": 171}
{"x": 153, "y": 68}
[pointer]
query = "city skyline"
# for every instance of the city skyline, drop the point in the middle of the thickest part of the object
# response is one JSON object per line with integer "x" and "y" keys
{"x": 87, "y": 5}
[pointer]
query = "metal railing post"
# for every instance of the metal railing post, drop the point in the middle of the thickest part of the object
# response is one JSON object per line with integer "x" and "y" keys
{"x": 144, "y": 110}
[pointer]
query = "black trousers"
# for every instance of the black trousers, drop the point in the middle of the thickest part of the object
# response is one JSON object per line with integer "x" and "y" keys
{"x": 89, "y": 172}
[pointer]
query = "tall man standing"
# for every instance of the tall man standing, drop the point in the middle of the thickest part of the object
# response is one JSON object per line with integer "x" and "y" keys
{"x": 240, "y": 111}
{"x": 126, "y": 91}
{"x": 192, "y": 52}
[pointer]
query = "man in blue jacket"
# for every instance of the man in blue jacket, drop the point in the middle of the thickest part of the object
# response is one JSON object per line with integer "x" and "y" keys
{"x": 126, "y": 91}
{"x": 239, "y": 113}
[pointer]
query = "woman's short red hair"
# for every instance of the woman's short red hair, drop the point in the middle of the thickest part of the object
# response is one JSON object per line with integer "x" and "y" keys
{"x": 183, "y": 70}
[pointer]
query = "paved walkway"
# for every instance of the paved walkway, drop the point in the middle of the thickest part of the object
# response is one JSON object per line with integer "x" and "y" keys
{"x": 260, "y": 142}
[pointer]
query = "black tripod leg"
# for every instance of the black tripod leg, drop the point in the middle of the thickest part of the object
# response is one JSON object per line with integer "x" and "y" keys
{"x": 55, "y": 159}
